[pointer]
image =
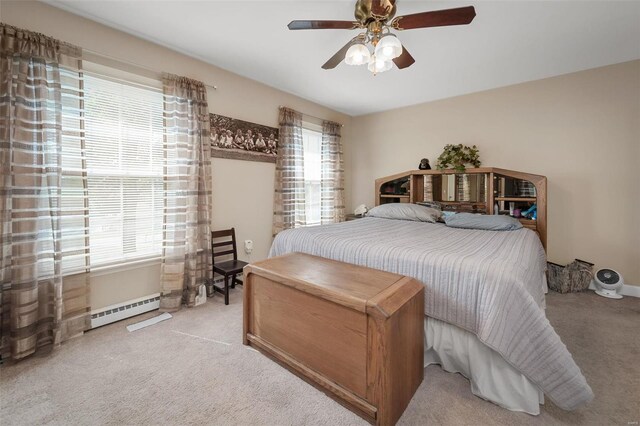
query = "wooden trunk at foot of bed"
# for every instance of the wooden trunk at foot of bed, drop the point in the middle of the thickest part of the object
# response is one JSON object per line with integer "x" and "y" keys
{"x": 354, "y": 332}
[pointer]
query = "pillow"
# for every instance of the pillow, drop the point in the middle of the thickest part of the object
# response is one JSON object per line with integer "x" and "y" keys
{"x": 405, "y": 211}
{"x": 485, "y": 222}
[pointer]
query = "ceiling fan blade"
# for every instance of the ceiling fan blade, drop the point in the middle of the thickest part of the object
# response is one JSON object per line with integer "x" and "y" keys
{"x": 404, "y": 60}
{"x": 322, "y": 25}
{"x": 339, "y": 56}
{"x": 436, "y": 18}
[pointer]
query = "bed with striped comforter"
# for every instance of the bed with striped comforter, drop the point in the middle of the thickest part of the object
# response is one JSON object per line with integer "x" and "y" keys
{"x": 486, "y": 282}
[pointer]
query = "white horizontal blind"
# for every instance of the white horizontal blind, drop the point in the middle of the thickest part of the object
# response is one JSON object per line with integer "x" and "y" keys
{"x": 312, "y": 142}
{"x": 124, "y": 146}
{"x": 74, "y": 241}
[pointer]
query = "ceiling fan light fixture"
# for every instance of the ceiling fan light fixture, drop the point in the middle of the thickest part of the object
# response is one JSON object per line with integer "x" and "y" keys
{"x": 388, "y": 47}
{"x": 358, "y": 54}
{"x": 378, "y": 65}
{"x": 376, "y": 19}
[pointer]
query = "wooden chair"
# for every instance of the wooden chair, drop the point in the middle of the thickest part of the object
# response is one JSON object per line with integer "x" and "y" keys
{"x": 227, "y": 268}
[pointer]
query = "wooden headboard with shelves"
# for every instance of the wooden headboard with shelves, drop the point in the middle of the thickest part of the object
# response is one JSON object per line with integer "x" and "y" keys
{"x": 476, "y": 190}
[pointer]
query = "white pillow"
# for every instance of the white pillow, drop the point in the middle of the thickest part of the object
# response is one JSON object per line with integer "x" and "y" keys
{"x": 405, "y": 211}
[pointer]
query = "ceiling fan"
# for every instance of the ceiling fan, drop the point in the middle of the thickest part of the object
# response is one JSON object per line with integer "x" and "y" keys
{"x": 376, "y": 18}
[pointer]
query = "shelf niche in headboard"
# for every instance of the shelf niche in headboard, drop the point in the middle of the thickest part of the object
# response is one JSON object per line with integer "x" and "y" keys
{"x": 476, "y": 190}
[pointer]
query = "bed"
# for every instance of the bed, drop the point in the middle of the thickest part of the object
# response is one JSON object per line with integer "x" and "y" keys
{"x": 484, "y": 302}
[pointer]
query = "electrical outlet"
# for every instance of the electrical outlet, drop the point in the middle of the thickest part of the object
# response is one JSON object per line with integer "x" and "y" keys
{"x": 248, "y": 246}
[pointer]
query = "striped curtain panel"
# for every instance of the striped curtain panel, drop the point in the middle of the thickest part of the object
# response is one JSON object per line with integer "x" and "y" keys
{"x": 332, "y": 175}
{"x": 186, "y": 249}
{"x": 289, "y": 199}
{"x": 44, "y": 296}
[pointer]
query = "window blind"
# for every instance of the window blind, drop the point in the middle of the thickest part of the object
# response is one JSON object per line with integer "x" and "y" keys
{"x": 74, "y": 220}
{"x": 124, "y": 154}
{"x": 312, "y": 142}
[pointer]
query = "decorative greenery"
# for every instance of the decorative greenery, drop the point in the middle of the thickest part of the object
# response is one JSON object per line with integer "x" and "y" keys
{"x": 457, "y": 156}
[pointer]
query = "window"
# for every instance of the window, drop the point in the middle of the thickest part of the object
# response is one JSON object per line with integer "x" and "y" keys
{"x": 312, "y": 142}
{"x": 124, "y": 154}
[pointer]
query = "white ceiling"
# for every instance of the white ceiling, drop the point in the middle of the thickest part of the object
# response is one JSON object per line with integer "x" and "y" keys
{"x": 509, "y": 42}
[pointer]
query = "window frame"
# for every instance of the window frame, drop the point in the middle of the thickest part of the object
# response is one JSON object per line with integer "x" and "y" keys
{"x": 118, "y": 76}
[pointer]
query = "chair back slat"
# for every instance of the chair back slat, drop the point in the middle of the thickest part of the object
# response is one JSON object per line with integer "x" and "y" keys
{"x": 222, "y": 244}
{"x": 223, "y": 233}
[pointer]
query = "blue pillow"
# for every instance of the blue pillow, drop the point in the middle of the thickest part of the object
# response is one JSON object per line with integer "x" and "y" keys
{"x": 485, "y": 222}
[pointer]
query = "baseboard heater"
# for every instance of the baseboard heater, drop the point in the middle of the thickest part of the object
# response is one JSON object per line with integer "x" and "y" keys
{"x": 130, "y": 308}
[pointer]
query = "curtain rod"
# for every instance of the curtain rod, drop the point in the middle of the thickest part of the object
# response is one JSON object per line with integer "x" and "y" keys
{"x": 123, "y": 61}
{"x": 312, "y": 116}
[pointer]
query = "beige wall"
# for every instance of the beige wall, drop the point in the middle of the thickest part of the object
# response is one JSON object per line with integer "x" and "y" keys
{"x": 581, "y": 130}
{"x": 242, "y": 190}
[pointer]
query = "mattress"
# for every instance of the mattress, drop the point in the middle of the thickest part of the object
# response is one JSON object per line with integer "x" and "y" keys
{"x": 489, "y": 283}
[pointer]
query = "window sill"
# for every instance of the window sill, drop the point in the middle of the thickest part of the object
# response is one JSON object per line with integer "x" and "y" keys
{"x": 122, "y": 267}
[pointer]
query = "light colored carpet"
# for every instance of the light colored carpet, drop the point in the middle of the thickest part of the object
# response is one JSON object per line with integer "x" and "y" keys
{"x": 193, "y": 369}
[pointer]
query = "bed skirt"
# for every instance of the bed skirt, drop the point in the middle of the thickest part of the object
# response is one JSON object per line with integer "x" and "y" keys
{"x": 491, "y": 377}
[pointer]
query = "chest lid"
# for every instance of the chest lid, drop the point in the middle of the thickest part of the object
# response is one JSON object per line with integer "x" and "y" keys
{"x": 343, "y": 283}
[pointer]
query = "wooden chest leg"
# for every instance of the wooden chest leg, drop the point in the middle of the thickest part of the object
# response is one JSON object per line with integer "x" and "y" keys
{"x": 247, "y": 308}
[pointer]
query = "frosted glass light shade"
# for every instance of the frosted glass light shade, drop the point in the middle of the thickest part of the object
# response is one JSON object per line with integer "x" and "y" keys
{"x": 377, "y": 65}
{"x": 389, "y": 47}
{"x": 358, "y": 54}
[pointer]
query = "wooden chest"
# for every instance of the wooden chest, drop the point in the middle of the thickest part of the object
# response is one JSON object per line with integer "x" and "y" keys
{"x": 354, "y": 332}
